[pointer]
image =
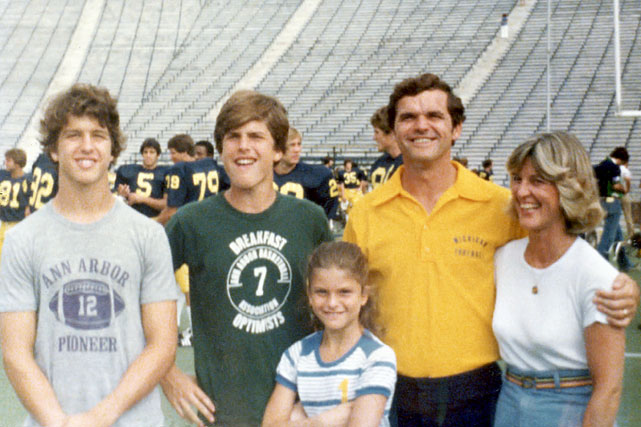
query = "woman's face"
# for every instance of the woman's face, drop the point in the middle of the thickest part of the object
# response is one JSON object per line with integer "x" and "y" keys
{"x": 536, "y": 200}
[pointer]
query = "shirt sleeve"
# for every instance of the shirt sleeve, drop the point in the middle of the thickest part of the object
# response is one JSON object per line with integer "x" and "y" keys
{"x": 379, "y": 374}
{"x": 598, "y": 274}
{"x": 17, "y": 277}
{"x": 158, "y": 281}
{"x": 286, "y": 371}
{"x": 176, "y": 236}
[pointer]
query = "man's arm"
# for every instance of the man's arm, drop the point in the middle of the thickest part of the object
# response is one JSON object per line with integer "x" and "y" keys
{"x": 183, "y": 392}
{"x": 157, "y": 204}
{"x": 165, "y": 215}
{"x": 159, "y": 325}
{"x": 619, "y": 304}
{"x": 17, "y": 338}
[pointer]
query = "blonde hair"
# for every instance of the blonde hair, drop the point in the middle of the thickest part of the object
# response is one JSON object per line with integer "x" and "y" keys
{"x": 348, "y": 258}
{"x": 559, "y": 157}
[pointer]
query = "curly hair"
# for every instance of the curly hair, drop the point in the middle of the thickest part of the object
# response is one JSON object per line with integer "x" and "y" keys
{"x": 81, "y": 100}
{"x": 559, "y": 157}
{"x": 348, "y": 258}
{"x": 380, "y": 120}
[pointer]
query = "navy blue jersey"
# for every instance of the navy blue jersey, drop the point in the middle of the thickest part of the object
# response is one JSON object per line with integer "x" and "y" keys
{"x": 145, "y": 182}
{"x": 383, "y": 168}
{"x": 312, "y": 182}
{"x": 14, "y": 196}
{"x": 351, "y": 179}
{"x": 193, "y": 181}
{"x": 607, "y": 174}
{"x": 44, "y": 181}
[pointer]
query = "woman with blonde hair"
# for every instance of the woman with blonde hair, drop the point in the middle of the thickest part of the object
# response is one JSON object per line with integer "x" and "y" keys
{"x": 564, "y": 362}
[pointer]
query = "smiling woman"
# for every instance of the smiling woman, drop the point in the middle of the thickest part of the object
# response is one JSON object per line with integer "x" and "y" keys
{"x": 564, "y": 362}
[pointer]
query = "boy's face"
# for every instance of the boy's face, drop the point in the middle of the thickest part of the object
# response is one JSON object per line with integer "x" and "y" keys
{"x": 249, "y": 154}
{"x": 83, "y": 151}
{"x": 149, "y": 157}
{"x": 9, "y": 164}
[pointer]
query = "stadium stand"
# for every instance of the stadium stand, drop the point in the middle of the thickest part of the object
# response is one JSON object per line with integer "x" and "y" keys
{"x": 170, "y": 66}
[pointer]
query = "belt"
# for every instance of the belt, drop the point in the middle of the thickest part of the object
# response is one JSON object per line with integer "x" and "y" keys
{"x": 548, "y": 382}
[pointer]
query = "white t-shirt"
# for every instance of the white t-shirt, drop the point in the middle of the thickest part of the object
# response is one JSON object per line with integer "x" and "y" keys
{"x": 626, "y": 175}
{"x": 544, "y": 331}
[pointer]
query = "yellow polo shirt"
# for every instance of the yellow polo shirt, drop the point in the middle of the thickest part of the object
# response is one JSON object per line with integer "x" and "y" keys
{"x": 435, "y": 273}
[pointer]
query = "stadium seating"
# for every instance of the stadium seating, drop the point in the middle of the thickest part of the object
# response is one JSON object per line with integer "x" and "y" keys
{"x": 171, "y": 66}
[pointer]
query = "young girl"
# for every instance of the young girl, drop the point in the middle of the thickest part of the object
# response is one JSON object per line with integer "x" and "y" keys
{"x": 342, "y": 374}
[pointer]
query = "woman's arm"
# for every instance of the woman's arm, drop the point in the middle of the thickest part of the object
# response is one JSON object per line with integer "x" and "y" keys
{"x": 605, "y": 347}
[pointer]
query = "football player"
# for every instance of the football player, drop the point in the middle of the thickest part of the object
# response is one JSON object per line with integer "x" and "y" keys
{"x": 203, "y": 149}
{"x": 302, "y": 180}
{"x": 88, "y": 295}
{"x": 14, "y": 190}
{"x": 384, "y": 166}
{"x": 351, "y": 181}
{"x": 181, "y": 152}
{"x": 44, "y": 181}
{"x": 143, "y": 185}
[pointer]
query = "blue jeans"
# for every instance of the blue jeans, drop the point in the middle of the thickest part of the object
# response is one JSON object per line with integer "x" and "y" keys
{"x": 612, "y": 231}
{"x": 531, "y": 407}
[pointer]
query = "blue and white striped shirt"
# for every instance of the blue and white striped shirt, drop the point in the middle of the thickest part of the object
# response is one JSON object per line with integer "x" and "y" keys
{"x": 367, "y": 368}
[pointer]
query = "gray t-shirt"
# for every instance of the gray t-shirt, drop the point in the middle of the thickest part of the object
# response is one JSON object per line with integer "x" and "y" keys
{"x": 87, "y": 283}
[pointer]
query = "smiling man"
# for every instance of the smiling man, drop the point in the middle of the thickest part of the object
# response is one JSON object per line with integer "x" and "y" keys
{"x": 246, "y": 250}
{"x": 430, "y": 234}
{"x": 87, "y": 296}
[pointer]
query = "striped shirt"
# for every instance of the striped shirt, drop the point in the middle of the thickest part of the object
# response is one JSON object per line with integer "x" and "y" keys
{"x": 367, "y": 368}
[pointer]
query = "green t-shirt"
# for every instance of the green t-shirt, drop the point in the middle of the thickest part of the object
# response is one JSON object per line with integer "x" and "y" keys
{"x": 247, "y": 293}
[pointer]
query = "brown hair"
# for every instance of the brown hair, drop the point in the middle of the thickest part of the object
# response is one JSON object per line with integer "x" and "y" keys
{"x": 18, "y": 156}
{"x": 182, "y": 143}
{"x": 559, "y": 157}
{"x": 348, "y": 258}
{"x": 415, "y": 85}
{"x": 81, "y": 100}
{"x": 380, "y": 120}
{"x": 245, "y": 106}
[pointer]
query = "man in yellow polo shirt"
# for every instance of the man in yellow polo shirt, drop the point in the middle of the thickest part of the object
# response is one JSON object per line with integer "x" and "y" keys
{"x": 430, "y": 234}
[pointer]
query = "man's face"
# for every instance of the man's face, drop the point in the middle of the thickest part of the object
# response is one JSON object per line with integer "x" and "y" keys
{"x": 384, "y": 141}
{"x": 149, "y": 158}
{"x": 9, "y": 164}
{"x": 177, "y": 156}
{"x": 423, "y": 128}
{"x": 292, "y": 152}
{"x": 83, "y": 151}
{"x": 201, "y": 152}
{"x": 249, "y": 155}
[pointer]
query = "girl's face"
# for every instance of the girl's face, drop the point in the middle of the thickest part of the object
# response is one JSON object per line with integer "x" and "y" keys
{"x": 336, "y": 299}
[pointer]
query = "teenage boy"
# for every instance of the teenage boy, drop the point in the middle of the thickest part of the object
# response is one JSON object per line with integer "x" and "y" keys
{"x": 14, "y": 190}
{"x": 303, "y": 180}
{"x": 143, "y": 185}
{"x": 44, "y": 181}
{"x": 87, "y": 294}
{"x": 246, "y": 250}
{"x": 391, "y": 159}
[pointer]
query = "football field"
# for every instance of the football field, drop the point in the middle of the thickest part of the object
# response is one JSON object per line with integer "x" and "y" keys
{"x": 12, "y": 412}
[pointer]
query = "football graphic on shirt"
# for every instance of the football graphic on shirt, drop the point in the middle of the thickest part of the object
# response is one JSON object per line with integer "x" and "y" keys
{"x": 86, "y": 304}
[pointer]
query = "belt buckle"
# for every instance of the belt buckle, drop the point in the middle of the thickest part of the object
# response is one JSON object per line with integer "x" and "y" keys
{"x": 528, "y": 382}
{"x": 609, "y": 199}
